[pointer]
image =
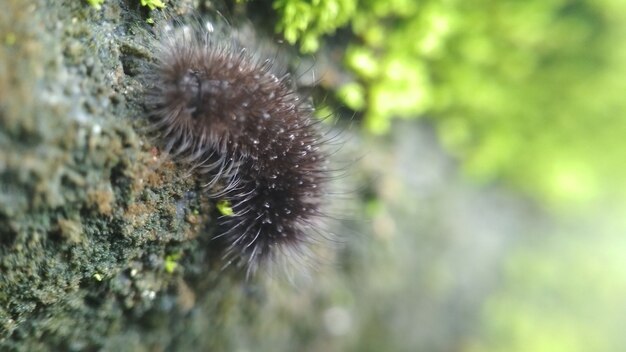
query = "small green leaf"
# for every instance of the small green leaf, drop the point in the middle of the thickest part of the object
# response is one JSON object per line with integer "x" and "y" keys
{"x": 224, "y": 207}
{"x": 171, "y": 262}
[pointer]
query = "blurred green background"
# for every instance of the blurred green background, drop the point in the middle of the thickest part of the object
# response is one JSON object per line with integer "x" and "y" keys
{"x": 497, "y": 212}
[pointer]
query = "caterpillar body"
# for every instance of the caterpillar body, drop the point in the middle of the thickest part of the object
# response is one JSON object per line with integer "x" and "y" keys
{"x": 237, "y": 121}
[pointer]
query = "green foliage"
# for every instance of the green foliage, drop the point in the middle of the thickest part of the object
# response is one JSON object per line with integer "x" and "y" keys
{"x": 522, "y": 91}
{"x": 399, "y": 40}
{"x": 306, "y": 20}
{"x": 519, "y": 90}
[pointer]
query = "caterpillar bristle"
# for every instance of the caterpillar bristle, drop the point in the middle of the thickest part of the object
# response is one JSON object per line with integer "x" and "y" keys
{"x": 236, "y": 121}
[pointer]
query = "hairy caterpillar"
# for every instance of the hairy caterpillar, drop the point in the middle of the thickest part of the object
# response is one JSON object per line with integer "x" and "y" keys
{"x": 236, "y": 120}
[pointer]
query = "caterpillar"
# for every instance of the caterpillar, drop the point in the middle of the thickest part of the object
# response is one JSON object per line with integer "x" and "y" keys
{"x": 237, "y": 121}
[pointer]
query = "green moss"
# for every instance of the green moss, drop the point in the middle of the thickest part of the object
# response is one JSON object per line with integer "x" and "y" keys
{"x": 224, "y": 207}
{"x": 96, "y": 3}
{"x": 305, "y": 21}
{"x": 171, "y": 262}
{"x": 153, "y": 4}
{"x": 514, "y": 89}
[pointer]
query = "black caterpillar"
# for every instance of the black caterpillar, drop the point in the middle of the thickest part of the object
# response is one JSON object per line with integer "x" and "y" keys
{"x": 237, "y": 121}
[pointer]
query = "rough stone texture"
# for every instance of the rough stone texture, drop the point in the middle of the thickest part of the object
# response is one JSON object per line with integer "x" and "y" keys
{"x": 92, "y": 220}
